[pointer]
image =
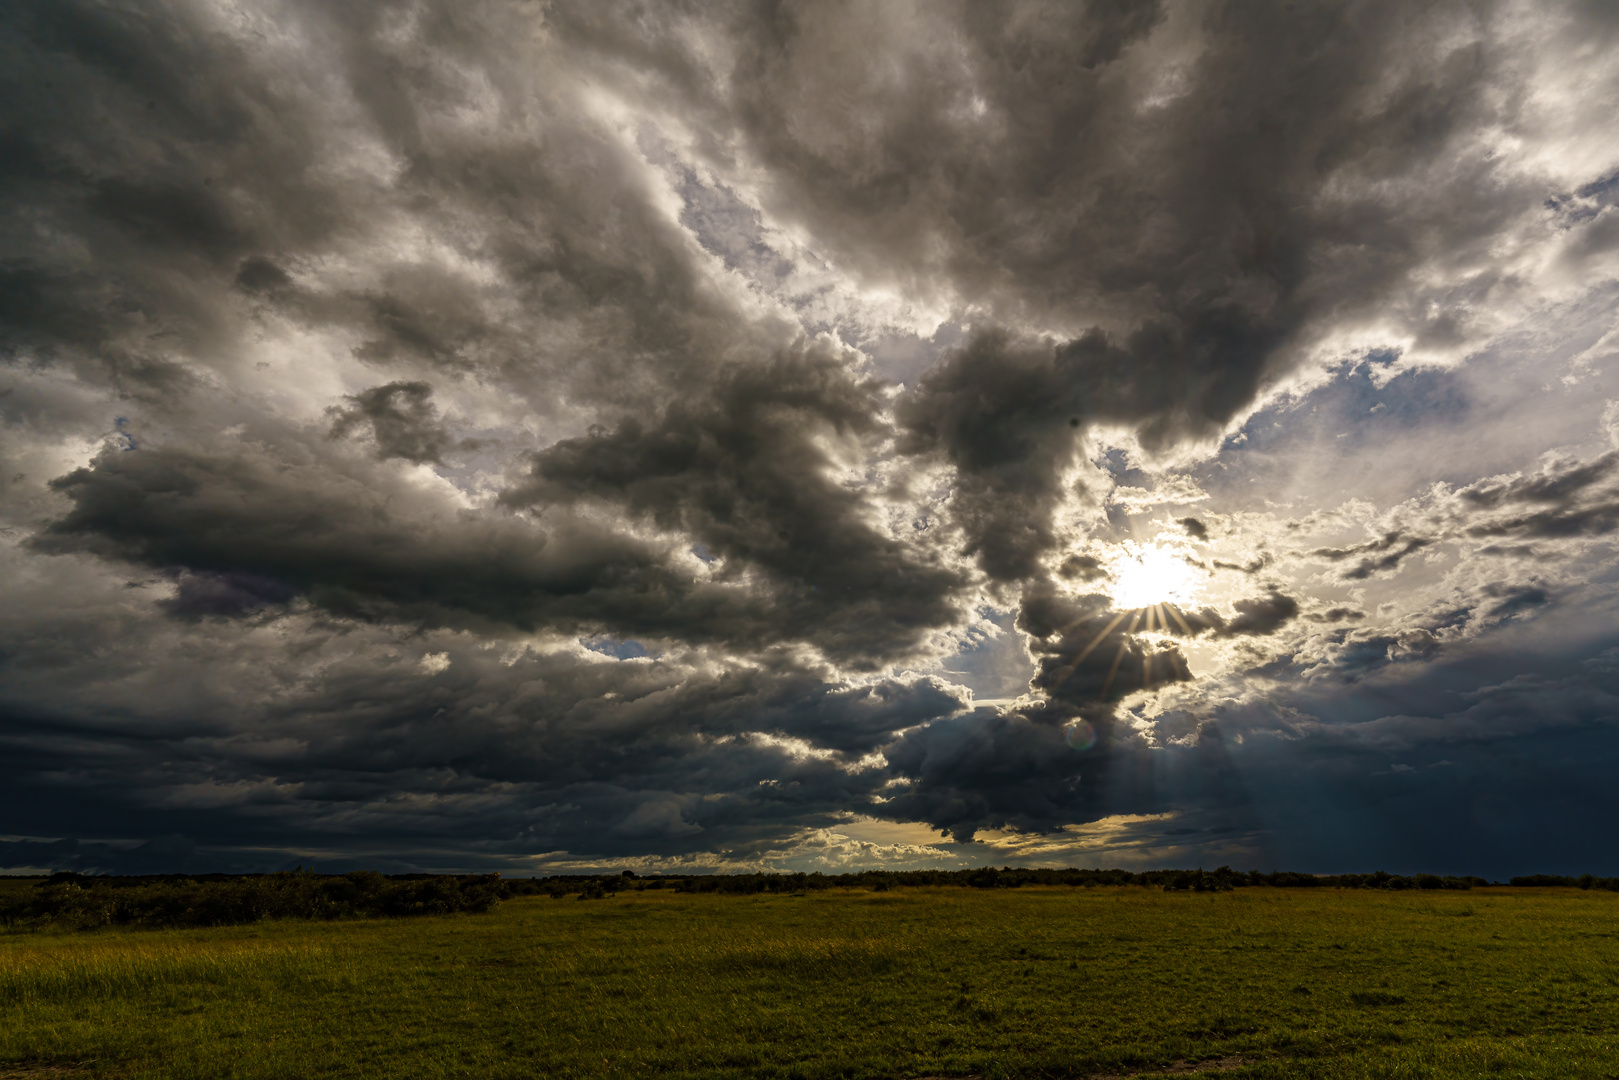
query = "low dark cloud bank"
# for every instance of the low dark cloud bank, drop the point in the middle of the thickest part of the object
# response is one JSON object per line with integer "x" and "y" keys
{"x": 524, "y": 435}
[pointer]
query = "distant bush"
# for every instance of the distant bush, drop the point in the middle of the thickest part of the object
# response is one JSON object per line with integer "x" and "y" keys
{"x": 1584, "y": 881}
{"x": 1542, "y": 879}
{"x": 1222, "y": 879}
{"x": 80, "y": 901}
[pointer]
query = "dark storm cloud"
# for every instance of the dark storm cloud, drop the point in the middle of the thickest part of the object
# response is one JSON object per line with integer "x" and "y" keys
{"x": 187, "y": 167}
{"x": 990, "y": 769}
{"x": 497, "y": 758}
{"x": 1359, "y": 651}
{"x": 1337, "y": 614}
{"x": 226, "y": 593}
{"x": 1253, "y": 566}
{"x": 1505, "y": 710}
{"x": 1557, "y": 486}
{"x": 1015, "y": 168}
{"x": 167, "y": 155}
{"x": 1219, "y": 237}
{"x": 1478, "y": 768}
{"x": 1081, "y": 568}
{"x": 348, "y": 544}
{"x": 1000, "y": 414}
{"x": 1255, "y": 210}
{"x": 1567, "y": 498}
{"x": 403, "y": 421}
{"x": 162, "y": 855}
{"x": 740, "y": 471}
{"x": 259, "y": 275}
{"x": 1036, "y": 767}
{"x": 726, "y": 471}
{"x": 1261, "y": 615}
{"x": 1007, "y": 414}
{"x": 578, "y": 253}
{"x": 1035, "y": 770}
{"x": 1456, "y": 621}
{"x": 1089, "y": 655}
{"x": 1513, "y": 599}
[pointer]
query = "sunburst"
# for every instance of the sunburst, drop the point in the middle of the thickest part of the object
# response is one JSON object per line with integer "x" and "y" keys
{"x": 1149, "y": 584}
{"x": 1147, "y": 574}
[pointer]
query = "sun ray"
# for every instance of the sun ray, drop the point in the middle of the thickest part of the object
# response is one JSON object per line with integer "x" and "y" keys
{"x": 1107, "y": 684}
{"x": 1155, "y": 618}
{"x": 1146, "y": 571}
{"x": 1118, "y": 659}
{"x": 1066, "y": 672}
{"x": 1097, "y": 640}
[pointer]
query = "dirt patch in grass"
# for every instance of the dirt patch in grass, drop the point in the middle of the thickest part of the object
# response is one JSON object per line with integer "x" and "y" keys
{"x": 1179, "y": 1068}
{"x": 1225, "y": 1064}
{"x": 33, "y": 1070}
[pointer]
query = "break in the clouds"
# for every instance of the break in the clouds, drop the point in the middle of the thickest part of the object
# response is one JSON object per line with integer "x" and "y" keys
{"x": 534, "y": 436}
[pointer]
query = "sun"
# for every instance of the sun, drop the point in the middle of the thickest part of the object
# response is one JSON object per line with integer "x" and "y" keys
{"x": 1150, "y": 583}
{"x": 1147, "y": 574}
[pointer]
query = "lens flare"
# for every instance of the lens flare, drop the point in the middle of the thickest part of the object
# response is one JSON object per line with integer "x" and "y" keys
{"x": 1147, "y": 574}
{"x": 1081, "y": 735}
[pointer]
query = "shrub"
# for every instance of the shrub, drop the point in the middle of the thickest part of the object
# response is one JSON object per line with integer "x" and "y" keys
{"x": 81, "y": 902}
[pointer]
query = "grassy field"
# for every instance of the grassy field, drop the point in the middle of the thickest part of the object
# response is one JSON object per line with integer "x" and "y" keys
{"x": 907, "y": 983}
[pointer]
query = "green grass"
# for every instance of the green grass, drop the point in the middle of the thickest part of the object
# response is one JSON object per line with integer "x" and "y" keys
{"x": 1028, "y": 982}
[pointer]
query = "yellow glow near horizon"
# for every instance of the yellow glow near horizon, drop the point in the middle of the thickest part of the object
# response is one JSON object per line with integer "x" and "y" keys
{"x": 1147, "y": 574}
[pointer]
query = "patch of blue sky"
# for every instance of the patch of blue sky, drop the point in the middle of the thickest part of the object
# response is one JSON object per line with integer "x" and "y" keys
{"x": 618, "y": 650}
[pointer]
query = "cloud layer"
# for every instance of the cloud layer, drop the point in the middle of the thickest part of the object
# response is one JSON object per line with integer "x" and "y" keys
{"x": 506, "y": 435}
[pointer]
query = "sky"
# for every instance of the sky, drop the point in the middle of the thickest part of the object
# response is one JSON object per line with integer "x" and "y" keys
{"x": 461, "y": 435}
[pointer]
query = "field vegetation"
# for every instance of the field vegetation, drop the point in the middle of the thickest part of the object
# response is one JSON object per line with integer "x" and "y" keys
{"x": 76, "y": 901}
{"x": 1037, "y": 981}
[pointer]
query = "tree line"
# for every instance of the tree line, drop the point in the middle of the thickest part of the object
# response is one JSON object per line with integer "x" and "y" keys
{"x": 1223, "y": 879}
{"x": 84, "y": 901}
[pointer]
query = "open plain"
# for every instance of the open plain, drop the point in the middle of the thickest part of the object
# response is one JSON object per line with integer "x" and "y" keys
{"x": 1032, "y": 982}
